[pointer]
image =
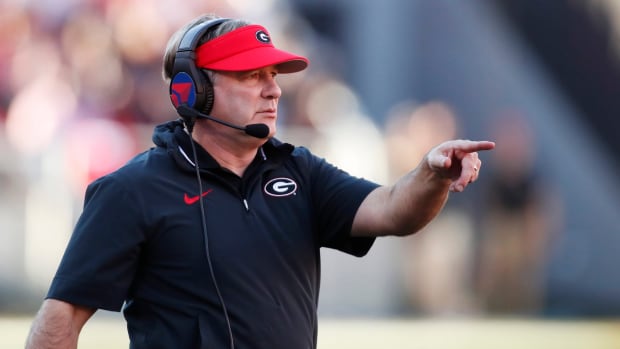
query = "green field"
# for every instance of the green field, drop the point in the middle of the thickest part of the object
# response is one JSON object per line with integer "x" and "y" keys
{"x": 108, "y": 331}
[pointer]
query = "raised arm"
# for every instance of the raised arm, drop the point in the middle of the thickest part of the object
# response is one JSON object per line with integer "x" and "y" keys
{"x": 57, "y": 325}
{"x": 415, "y": 199}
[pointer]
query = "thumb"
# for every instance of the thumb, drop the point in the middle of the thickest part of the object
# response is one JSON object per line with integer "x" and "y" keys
{"x": 439, "y": 161}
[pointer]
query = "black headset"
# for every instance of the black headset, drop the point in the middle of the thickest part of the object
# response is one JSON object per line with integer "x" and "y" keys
{"x": 190, "y": 85}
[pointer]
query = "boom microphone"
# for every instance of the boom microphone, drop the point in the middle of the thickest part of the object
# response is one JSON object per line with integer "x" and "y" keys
{"x": 190, "y": 115}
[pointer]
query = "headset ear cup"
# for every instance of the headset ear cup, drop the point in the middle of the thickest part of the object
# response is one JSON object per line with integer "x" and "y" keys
{"x": 191, "y": 85}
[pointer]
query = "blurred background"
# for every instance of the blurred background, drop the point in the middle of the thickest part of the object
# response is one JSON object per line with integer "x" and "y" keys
{"x": 536, "y": 238}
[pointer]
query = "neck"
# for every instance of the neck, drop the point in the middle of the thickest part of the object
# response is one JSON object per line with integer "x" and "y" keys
{"x": 234, "y": 153}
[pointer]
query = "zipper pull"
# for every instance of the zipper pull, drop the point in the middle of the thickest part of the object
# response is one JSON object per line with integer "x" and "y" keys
{"x": 245, "y": 203}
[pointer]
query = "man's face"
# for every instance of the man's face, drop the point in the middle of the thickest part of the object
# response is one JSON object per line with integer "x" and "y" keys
{"x": 247, "y": 97}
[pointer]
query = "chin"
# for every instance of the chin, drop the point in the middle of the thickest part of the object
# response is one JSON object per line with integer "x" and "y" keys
{"x": 272, "y": 128}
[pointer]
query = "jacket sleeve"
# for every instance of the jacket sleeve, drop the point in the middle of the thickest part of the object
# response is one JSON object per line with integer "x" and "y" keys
{"x": 336, "y": 197}
{"x": 101, "y": 258}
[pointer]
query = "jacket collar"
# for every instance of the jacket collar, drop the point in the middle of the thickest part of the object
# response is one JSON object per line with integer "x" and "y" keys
{"x": 178, "y": 143}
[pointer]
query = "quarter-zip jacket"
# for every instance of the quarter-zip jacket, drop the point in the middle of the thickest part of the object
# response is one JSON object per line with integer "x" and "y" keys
{"x": 140, "y": 243}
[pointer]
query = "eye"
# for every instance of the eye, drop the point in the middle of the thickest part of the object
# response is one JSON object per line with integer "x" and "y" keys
{"x": 253, "y": 75}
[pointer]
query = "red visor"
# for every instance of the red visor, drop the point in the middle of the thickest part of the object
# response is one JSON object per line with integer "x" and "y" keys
{"x": 246, "y": 48}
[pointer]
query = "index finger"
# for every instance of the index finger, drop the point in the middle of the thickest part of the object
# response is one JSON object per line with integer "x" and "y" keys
{"x": 472, "y": 146}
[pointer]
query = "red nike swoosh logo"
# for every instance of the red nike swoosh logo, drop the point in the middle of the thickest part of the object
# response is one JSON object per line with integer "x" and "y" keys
{"x": 192, "y": 199}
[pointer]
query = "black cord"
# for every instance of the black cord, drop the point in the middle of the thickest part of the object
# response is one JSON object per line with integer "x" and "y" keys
{"x": 206, "y": 237}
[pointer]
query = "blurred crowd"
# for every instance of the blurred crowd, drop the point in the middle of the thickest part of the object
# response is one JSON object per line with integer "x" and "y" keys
{"x": 81, "y": 89}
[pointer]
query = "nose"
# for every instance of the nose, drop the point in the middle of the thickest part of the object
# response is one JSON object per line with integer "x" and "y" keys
{"x": 271, "y": 88}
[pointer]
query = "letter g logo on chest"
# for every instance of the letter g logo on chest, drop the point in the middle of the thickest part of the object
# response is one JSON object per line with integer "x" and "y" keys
{"x": 281, "y": 186}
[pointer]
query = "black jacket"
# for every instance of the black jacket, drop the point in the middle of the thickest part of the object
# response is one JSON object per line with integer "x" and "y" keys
{"x": 140, "y": 243}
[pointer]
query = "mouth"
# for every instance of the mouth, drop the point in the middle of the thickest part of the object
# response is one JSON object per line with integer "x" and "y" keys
{"x": 268, "y": 112}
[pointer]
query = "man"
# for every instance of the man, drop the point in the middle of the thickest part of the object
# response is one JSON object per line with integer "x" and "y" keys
{"x": 215, "y": 242}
